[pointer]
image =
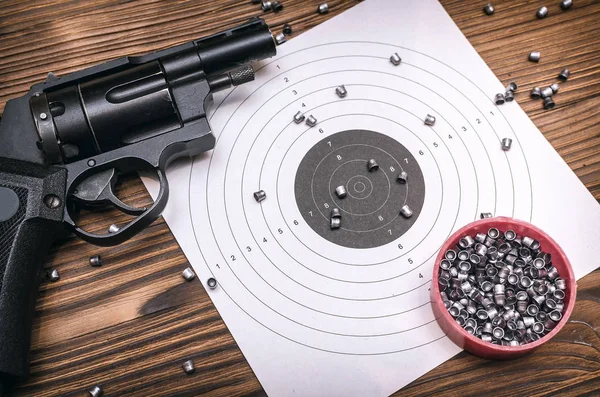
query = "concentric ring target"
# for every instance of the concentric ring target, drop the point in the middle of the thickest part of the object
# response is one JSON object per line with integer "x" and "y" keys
{"x": 279, "y": 262}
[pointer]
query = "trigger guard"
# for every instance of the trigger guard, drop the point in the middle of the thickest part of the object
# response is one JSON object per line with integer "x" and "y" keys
{"x": 132, "y": 228}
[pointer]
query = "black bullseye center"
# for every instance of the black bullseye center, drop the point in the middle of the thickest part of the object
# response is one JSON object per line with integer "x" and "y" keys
{"x": 370, "y": 210}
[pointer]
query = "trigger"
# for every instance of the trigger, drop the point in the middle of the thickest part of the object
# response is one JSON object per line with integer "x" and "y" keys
{"x": 99, "y": 189}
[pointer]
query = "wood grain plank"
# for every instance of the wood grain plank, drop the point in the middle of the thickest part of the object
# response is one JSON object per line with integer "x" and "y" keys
{"x": 129, "y": 324}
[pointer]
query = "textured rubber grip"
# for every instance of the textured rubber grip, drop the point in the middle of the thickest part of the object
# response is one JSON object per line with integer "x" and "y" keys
{"x": 32, "y": 202}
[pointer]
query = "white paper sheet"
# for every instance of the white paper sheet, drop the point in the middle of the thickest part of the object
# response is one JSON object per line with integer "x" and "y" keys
{"x": 315, "y": 318}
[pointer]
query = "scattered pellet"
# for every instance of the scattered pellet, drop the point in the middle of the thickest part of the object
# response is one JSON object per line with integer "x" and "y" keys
{"x": 341, "y": 91}
{"x": 299, "y": 117}
{"x": 188, "y": 274}
{"x": 372, "y": 165}
{"x": 549, "y": 103}
{"x": 564, "y": 74}
{"x": 542, "y": 12}
{"x": 53, "y": 275}
{"x": 277, "y": 6}
{"x": 266, "y": 5}
{"x": 402, "y": 177}
{"x": 188, "y": 367}
{"x": 535, "y": 56}
{"x": 547, "y": 92}
{"x": 340, "y": 191}
{"x": 260, "y": 196}
{"x": 489, "y": 9}
{"x": 566, "y": 4}
{"x": 405, "y": 211}
{"x": 96, "y": 261}
{"x": 323, "y": 8}
{"x": 335, "y": 223}
{"x": 395, "y": 59}
{"x": 429, "y": 120}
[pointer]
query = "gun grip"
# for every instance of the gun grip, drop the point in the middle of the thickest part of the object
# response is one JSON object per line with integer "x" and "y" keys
{"x": 31, "y": 201}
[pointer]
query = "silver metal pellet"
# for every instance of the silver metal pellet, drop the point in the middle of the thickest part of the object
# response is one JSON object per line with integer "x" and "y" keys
{"x": 564, "y": 74}
{"x": 266, "y": 5}
{"x": 498, "y": 333}
{"x": 512, "y": 86}
{"x": 96, "y": 261}
{"x": 538, "y": 328}
{"x": 499, "y": 99}
{"x": 542, "y": 12}
{"x": 336, "y": 213}
{"x": 547, "y": 92}
{"x": 485, "y": 215}
{"x": 493, "y": 233}
{"x": 395, "y": 59}
{"x": 299, "y": 117}
{"x": 113, "y": 229}
{"x": 566, "y": 4}
{"x": 450, "y": 255}
{"x": 96, "y": 391}
{"x": 372, "y": 165}
{"x": 534, "y": 56}
{"x": 188, "y": 274}
{"x": 405, "y": 211}
{"x": 506, "y": 144}
{"x": 554, "y": 87}
{"x": 489, "y": 9}
{"x": 280, "y": 38}
{"x": 53, "y": 275}
{"x": 212, "y": 283}
{"x": 429, "y": 120}
{"x": 188, "y": 367}
{"x": 402, "y": 177}
{"x": 510, "y": 235}
{"x": 549, "y": 103}
{"x": 260, "y": 196}
{"x": 335, "y": 223}
{"x": 341, "y": 192}
{"x": 509, "y": 96}
{"x": 341, "y": 91}
{"x": 466, "y": 242}
{"x": 311, "y": 121}
{"x": 323, "y": 8}
{"x": 277, "y": 6}
{"x": 536, "y": 93}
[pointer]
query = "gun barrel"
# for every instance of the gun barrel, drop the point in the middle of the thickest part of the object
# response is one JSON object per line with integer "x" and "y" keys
{"x": 249, "y": 42}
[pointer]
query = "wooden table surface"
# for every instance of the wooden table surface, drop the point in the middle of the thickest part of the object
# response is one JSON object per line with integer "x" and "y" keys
{"x": 129, "y": 324}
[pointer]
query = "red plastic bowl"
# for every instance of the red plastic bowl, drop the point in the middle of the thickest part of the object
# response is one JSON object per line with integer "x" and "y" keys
{"x": 472, "y": 343}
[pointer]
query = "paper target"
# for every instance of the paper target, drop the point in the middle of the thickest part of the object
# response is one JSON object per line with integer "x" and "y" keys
{"x": 361, "y": 289}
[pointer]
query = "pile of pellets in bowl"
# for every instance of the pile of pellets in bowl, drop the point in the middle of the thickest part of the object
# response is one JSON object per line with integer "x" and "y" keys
{"x": 502, "y": 287}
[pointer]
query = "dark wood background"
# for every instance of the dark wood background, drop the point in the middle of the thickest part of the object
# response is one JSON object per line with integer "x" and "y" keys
{"x": 129, "y": 324}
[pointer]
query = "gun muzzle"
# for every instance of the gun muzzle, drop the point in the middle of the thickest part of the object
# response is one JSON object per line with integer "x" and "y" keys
{"x": 252, "y": 41}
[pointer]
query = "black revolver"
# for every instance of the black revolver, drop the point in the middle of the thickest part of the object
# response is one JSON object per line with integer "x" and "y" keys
{"x": 63, "y": 145}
